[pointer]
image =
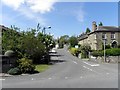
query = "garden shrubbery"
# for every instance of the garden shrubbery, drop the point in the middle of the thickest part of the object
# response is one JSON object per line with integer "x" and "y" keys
{"x": 109, "y": 52}
{"x": 32, "y": 43}
{"x": 14, "y": 71}
{"x": 85, "y": 49}
{"x": 74, "y": 51}
{"x": 97, "y": 53}
{"x": 26, "y": 65}
{"x": 113, "y": 52}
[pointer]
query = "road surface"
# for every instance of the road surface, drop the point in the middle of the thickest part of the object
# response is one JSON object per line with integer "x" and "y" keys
{"x": 68, "y": 72}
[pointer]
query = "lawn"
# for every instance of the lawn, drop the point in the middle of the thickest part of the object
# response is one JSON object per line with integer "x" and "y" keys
{"x": 41, "y": 67}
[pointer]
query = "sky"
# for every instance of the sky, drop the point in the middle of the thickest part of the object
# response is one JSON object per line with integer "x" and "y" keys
{"x": 65, "y": 18}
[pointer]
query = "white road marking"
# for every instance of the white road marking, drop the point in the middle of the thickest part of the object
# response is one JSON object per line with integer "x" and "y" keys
{"x": 74, "y": 62}
{"x": 49, "y": 78}
{"x": 81, "y": 77}
{"x": 107, "y": 73}
{"x": 87, "y": 68}
{"x": 91, "y": 64}
{"x": 66, "y": 77}
{"x": 2, "y": 79}
{"x": 32, "y": 79}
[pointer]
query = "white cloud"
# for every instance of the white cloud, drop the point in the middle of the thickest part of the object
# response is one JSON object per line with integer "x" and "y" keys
{"x": 30, "y": 15}
{"x": 31, "y": 8}
{"x": 41, "y": 6}
{"x": 15, "y": 4}
{"x": 80, "y": 13}
{"x": 38, "y": 6}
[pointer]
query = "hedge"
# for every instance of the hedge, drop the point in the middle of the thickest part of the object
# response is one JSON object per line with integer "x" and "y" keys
{"x": 108, "y": 52}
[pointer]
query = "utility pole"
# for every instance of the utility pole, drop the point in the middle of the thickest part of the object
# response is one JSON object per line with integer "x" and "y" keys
{"x": 104, "y": 51}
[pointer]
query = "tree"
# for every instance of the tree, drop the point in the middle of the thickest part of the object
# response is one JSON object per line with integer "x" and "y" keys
{"x": 73, "y": 41}
{"x": 100, "y": 24}
{"x": 85, "y": 49}
{"x": 88, "y": 30}
{"x": 30, "y": 44}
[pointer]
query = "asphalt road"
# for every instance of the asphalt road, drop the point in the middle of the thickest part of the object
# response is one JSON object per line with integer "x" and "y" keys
{"x": 68, "y": 71}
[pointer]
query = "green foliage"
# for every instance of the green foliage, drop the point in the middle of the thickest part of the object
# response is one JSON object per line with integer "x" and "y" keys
{"x": 14, "y": 71}
{"x": 108, "y": 52}
{"x": 41, "y": 67}
{"x": 9, "y": 39}
{"x": 74, "y": 51}
{"x": 100, "y": 24}
{"x": 26, "y": 65}
{"x": 73, "y": 41}
{"x": 88, "y": 30}
{"x": 31, "y": 44}
{"x": 85, "y": 49}
{"x": 106, "y": 47}
{"x": 97, "y": 53}
{"x": 113, "y": 52}
{"x": 63, "y": 40}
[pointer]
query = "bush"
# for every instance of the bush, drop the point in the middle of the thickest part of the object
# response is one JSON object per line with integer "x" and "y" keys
{"x": 113, "y": 52}
{"x": 14, "y": 71}
{"x": 26, "y": 65}
{"x": 107, "y": 46}
{"x": 74, "y": 51}
{"x": 97, "y": 53}
{"x": 109, "y": 52}
{"x": 85, "y": 49}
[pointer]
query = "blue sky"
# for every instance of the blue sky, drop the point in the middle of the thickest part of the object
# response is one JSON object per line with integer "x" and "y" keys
{"x": 71, "y": 18}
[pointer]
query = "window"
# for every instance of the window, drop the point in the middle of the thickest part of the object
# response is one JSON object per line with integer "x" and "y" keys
{"x": 104, "y": 36}
{"x": 113, "y": 35}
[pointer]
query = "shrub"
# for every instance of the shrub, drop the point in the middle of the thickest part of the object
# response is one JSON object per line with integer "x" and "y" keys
{"x": 26, "y": 65}
{"x": 14, "y": 71}
{"x": 85, "y": 49}
{"x": 97, "y": 53}
{"x": 107, "y": 46}
{"x": 74, "y": 51}
{"x": 113, "y": 52}
{"x": 109, "y": 52}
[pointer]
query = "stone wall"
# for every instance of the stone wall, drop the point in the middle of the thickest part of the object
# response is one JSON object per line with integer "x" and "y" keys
{"x": 6, "y": 63}
{"x": 113, "y": 59}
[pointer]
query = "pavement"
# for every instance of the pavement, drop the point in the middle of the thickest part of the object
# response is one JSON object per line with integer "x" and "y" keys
{"x": 68, "y": 71}
{"x": 5, "y": 75}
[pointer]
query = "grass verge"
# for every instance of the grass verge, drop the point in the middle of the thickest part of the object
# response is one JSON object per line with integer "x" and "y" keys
{"x": 41, "y": 67}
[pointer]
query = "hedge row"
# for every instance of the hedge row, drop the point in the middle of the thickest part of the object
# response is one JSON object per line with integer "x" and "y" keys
{"x": 108, "y": 52}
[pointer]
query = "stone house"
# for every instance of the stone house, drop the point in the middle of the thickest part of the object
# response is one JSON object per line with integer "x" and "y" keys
{"x": 99, "y": 34}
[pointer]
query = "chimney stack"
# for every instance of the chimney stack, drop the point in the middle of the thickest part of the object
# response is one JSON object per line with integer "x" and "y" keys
{"x": 94, "y": 26}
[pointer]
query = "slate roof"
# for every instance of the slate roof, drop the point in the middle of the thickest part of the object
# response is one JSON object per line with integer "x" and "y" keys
{"x": 83, "y": 36}
{"x": 100, "y": 29}
{"x": 107, "y": 28}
